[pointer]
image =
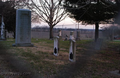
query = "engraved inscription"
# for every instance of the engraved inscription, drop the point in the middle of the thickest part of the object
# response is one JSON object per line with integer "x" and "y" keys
{"x": 24, "y": 28}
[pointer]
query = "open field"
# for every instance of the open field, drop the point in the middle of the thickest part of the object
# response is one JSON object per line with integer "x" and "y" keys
{"x": 90, "y": 63}
{"x": 44, "y": 33}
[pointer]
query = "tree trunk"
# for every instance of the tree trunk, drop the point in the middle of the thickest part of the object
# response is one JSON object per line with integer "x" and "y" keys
{"x": 96, "y": 30}
{"x": 51, "y": 32}
{"x": 51, "y": 20}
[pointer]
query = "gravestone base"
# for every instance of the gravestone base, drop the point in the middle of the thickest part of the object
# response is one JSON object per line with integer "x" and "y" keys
{"x": 2, "y": 39}
{"x": 116, "y": 72}
{"x": 23, "y": 45}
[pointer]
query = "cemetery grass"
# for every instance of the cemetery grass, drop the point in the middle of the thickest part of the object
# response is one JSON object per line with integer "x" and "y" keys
{"x": 41, "y": 58}
{"x": 104, "y": 61}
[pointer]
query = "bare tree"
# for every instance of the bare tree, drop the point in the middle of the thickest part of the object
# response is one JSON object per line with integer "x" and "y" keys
{"x": 49, "y": 11}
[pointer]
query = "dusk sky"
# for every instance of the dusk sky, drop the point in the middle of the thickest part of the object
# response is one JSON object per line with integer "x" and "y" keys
{"x": 70, "y": 23}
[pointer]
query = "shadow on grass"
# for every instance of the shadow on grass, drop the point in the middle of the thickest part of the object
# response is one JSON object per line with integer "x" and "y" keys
{"x": 17, "y": 65}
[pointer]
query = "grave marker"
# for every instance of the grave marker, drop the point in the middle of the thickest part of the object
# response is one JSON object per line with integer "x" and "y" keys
{"x": 72, "y": 51}
{"x": 71, "y": 36}
{"x": 23, "y": 28}
{"x": 2, "y": 30}
{"x": 56, "y": 46}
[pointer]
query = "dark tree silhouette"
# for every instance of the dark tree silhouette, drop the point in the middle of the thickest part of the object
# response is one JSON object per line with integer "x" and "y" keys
{"x": 118, "y": 16}
{"x": 91, "y": 11}
{"x": 9, "y": 14}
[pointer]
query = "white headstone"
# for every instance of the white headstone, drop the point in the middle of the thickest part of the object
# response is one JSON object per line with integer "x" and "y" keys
{"x": 72, "y": 51}
{"x": 23, "y": 28}
{"x": 56, "y": 46}
{"x": 2, "y": 30}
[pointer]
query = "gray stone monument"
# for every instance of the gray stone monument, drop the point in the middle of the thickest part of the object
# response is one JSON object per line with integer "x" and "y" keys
{"x": 2, "y": 30}
{"x": 23, "y": 28}
{"x": 72, "y": 51}
{"x": 56, "y": 46}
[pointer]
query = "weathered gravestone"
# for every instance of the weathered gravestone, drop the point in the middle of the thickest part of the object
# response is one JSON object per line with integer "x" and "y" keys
{"x": 56, "y": 46}
{"x": 72, "y": 51}
{"x": 2, "y": 35}
{"x": 23, "y": 28}
{"x": 71, "y": 36}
